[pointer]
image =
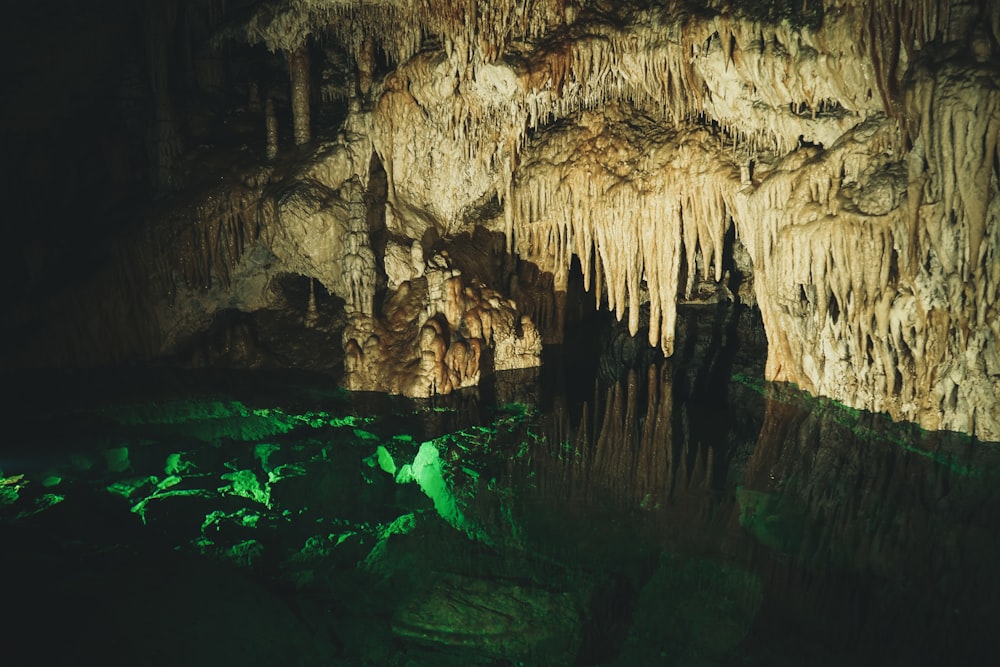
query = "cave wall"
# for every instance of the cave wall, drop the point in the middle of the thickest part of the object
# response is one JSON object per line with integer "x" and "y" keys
{"x": 849, "y": 147}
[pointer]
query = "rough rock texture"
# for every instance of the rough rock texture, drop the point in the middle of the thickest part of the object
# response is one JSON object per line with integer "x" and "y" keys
{"x": 636, "y": 201}
{"x": 848, "y": 149}
{"x": 433, "y": 335}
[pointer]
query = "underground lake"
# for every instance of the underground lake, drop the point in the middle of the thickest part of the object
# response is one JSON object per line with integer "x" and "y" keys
{"x": 611, "y": 508}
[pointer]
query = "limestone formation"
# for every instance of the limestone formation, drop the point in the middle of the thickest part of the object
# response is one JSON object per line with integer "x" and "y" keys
{"x": 433, "y": 334}
{"x": 840, "y": 155}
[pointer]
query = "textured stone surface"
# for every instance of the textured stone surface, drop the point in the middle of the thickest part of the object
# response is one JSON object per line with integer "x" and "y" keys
{"x": 431, "y": 335}
{"x": 850, "y": 148}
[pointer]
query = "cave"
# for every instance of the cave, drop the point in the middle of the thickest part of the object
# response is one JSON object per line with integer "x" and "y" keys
{"x": 519, "y": 332}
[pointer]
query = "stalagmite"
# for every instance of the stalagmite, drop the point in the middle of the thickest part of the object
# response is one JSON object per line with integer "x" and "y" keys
{"x": 430, "y": 336}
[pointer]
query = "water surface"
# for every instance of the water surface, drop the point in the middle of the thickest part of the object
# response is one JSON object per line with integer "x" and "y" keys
{"x": 614, "y": 509}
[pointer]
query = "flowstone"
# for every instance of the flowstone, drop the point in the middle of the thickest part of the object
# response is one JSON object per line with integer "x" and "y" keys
{"x": 437, "y": 334}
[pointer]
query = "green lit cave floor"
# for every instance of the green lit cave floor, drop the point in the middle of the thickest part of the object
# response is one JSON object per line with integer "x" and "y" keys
{"x": 671, "y": 515}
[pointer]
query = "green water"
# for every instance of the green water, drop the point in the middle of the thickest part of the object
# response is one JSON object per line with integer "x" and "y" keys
{"x": 679, "y": 513}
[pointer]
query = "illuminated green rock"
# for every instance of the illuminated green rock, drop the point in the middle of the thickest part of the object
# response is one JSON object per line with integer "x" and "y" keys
{"x": 175, "y": 464}
{"x": 285, "y": 471}
{"x": 41, "y": 504}
{"x": 325, "y": 559}
{"x": 8, "y": 496}
{"x": 244, "y": 553}
{"x": 362, "y": 434}
{"x": 377, "y": 560}
{"x": 10, "y": 489}
{"x": 383, "y": 459}
{"x": 244, "y": 483}
{"x": 427, "y": 470}
{"x": 242, "y": 517}
{"x": 158, "y": 497}
{"x": 348, "y": 421}
{"x": 126, "y": 488}
{"x": 263, "y": 452}
{"x": 117, "y": 459}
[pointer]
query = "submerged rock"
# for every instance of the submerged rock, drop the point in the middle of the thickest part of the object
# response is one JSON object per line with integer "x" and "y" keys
{"x": 491, "y": 618}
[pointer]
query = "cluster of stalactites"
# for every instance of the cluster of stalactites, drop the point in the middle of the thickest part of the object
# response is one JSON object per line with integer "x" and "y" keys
{"x": 955, "y": 109}
{"x": 646, "y": 55}
{"x": 877, "y": 273}
{"x": 201, "y": 249}
{"x": 193, "y": 251}
{"x": 791, "y": 83}
{"x": 481, "y": 31}
{"x": 664, "y": 60}
{"x": 649, "y": 66}
{"x": 478, "y": 31}
{"x": 806, "y": 238}
{"x": 772, "y": 85}
{"x": 643, "y": 53}
{"x": 642, "y": 208}
{"x": 892, "y": 32}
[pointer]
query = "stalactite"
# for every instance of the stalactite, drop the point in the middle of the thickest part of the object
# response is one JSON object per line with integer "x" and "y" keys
{"x": 311, "y": 312}
{"x": 959, "y": 122}
{"x": 366, "y": 65}
{"x": 632, "y": 200}
{"x": 298, "y": 71}
{"x": 271, "y": 128}
{"x": 359, "y": 260}
{"x": 880, "y": 298}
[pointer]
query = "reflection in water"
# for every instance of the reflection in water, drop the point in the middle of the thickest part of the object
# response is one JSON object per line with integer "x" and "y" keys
{"x": 885, "y": 529}
{"x": 617, "y": 453}
{"x": 632, "y": 511}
